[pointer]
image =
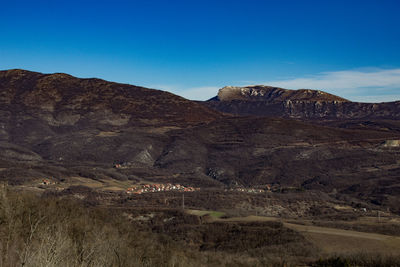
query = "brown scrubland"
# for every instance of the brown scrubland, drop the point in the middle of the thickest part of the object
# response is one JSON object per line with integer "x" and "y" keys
{"x": 50, "y": 230}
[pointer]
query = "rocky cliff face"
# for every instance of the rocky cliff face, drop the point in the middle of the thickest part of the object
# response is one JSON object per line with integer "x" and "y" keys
{"x": 271, "y": 94}
{"x": 302, "y": 104}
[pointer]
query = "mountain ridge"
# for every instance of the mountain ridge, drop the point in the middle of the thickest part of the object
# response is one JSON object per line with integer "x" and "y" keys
{"x": 305, "y": 104}
{"x": 63, "y": 95}
{"x": 271, "y": 93}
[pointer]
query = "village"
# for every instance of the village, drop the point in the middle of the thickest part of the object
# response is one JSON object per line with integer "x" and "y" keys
{"x": 149, "y": 188}
{"x": 247, "y": 190}
{"x": 47, "y": 182}
{"x": 152, "y": 188}
{"x": 265, "y": 188}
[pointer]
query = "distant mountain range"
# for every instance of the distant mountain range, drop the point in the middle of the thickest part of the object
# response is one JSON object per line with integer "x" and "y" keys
{"x": 302, "y": 104}
{"x": 59, "y": 126}
{"x": 272, "y": 94}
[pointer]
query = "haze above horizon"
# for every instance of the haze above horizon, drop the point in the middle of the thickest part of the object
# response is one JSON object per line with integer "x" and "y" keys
{"x": 347, "y": 48}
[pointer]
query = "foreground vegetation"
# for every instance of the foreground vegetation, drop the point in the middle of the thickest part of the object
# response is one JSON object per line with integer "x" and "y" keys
{"x": 37, "y": 231}
{"x": 374, "y": 260}
{"x": 55, "y": 232}
{"x": 64, "y": 231}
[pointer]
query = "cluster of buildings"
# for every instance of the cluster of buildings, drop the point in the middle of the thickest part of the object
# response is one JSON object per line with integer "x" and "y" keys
{"x": 247, "y": 190}
{"x": 123, "y": 165}
{"x": 251, "y": 190}
{"x": 46, "y": 182}
{"x": 148, "y": 188}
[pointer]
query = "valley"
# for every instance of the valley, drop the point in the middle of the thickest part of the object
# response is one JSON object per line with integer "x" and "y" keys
{"x": 261, "y": 173}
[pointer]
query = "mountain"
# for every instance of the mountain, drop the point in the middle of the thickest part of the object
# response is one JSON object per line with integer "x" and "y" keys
{"x": 57, "y": 125}
{"x": 301, "y": 104}
{"x": 270, "y": 94}
{"x": 73, "y": 130}
{"x": 63, "y": 100}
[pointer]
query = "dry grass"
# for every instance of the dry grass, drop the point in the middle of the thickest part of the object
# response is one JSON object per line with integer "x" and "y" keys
{"x": 107, "y": 134}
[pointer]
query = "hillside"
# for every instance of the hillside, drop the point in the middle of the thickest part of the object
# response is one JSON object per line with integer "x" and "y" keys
{"x": 76, "y": 131}
{"x": 63, "y": 100}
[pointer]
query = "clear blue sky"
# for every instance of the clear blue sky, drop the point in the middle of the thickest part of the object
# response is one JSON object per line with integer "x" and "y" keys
{"x": 194, "y": 47}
